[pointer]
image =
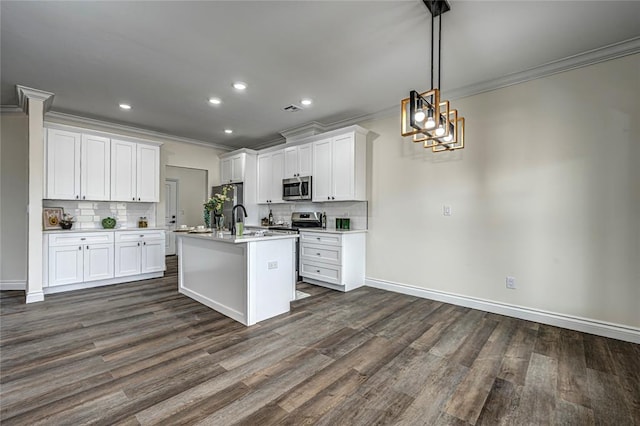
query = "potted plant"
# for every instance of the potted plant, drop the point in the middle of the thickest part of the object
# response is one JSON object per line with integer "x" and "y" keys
{"x": 215, "y": 204}
{"x": 67, "y": 221}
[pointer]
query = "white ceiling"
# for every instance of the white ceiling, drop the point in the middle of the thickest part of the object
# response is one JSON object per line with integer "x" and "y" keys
{"x": 353, "y": 58}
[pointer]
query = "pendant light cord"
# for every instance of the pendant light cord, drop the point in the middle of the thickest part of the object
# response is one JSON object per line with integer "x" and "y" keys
{"x": 439, "y": 51}
{"x": 432, "y": 21}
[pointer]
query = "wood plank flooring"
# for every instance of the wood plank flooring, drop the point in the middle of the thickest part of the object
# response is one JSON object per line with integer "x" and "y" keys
{"x": 142, "y": 354}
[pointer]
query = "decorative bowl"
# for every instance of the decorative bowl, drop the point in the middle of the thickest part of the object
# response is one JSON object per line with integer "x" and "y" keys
{"x": 108, "y": 223}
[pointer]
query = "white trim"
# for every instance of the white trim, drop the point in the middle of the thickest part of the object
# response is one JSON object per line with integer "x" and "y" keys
{"x": 100, "y": 283}
{"x": 10, "y": 109}
{"x": 586, "y": 325}
{"x": 70, "y": 128}
{"x": 591, "y": 57}
{"x": 35, "y": 297}
{"x": 13, "y": 285}
{"x": 27, "y": 93}
{"x": 113, "y": 127}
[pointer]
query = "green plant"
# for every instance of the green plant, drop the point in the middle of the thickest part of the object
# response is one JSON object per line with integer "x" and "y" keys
{"x": 216, "y": 203}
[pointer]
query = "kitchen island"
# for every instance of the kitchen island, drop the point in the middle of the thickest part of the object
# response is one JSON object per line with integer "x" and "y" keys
{"x": 249, "y": 278}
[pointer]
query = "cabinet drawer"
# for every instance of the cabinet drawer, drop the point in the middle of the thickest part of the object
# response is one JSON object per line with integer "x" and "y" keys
{"x": 321, "y": 238}
{"x": 320, "y": 253}
{"x": 75, "y": 238}
{"x": 125, "y": 236}
{"x": 322, "y": 272}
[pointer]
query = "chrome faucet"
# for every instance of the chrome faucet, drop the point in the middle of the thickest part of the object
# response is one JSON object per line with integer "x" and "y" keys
{"x": 233, "y": 217}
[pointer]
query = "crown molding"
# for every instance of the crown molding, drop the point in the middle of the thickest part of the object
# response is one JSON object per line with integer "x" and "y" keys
{"x": 270, "y": 143}
{"x": 11, "y": 109}
{"x": 25, "y": 94}
{"x": 590, "y": 57}
{"x": 75, "y": 120}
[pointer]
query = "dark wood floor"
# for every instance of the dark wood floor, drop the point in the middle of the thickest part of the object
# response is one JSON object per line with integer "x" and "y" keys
{"x": 143, "y": 354}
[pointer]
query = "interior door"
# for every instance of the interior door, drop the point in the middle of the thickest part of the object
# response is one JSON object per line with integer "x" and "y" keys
{"x": 170, "y": 215}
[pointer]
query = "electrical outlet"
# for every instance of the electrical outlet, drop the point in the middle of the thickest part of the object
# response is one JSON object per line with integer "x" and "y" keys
{"x": 446, "y": 210}
{"x": 273, "y": 265}
{"x": 511, "y": 283}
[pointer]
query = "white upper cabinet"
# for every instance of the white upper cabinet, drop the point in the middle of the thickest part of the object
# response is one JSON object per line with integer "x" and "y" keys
{"x": 298, "y": 160}
{"x": 135, "y": 171}
{"x": 78, "y": 166}
{"x": 232, "y": 168}
{"x": 339, "y": 171}
{"x": 148, "y": 173}
{"x": 270, "y": 173}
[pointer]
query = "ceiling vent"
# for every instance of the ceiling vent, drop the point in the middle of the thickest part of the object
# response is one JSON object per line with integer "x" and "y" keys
{"x": 292, "y": 108}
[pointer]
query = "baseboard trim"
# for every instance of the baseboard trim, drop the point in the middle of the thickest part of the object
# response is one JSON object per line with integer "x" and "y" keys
{"x": 600, "y": 328}
{"x": 13, "y": 285}
{"x": 35, "y": 297}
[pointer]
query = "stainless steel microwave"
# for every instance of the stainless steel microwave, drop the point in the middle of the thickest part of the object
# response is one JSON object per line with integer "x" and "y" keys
{"x": 296, "y": 189}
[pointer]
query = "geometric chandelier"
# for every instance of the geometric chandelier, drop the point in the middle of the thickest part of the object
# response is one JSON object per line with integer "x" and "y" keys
{"x": 426, "y": 117}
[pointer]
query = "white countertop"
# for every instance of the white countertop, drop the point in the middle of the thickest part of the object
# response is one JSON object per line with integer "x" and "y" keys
{"x": 335, "y": 231}
{"x": 151, "y": 228}
{"x": 233, "y": 239}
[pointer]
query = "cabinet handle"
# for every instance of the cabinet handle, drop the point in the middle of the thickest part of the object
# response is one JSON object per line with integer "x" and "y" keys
{"x": 328, "y": 198}
{"x": 138, "y": 244}
{"x": 318, "y": 238}
{"x": 87, "y": 247}
{"x": 318, "y": 254}
{"x": 333, "y": 198}
{"x": 80, "y": 248}
{"x": 77, "y": 196}
{"x": 84, "y": 197}
{"x": 138, "y": 198}
{"x": 134, "y": 198}
{"x": 318, "y": 270}
{"x": 144, "y": 244}
{"x": 82, "y": 239}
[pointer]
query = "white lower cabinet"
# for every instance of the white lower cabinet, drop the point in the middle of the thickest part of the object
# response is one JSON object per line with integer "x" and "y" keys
{"x": 139, "y": 252}
{"x": 333, "y": 259}
{"x": 102, "y": 257}
{"x": 79, "y": 257}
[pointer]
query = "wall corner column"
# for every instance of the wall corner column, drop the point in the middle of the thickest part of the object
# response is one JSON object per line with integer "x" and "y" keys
{"x": 35, "y": 103}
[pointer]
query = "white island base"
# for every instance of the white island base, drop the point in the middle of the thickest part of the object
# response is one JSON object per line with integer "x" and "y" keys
{"x": 247, "y": 279}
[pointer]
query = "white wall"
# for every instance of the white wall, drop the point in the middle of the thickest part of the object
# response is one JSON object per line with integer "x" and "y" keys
{"x": 547, "y": 191}
{"x": 192, "y": 193}
{"x": 14, "y": 187}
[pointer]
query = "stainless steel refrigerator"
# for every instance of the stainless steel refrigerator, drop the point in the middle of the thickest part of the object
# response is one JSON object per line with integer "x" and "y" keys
{"x": 235, "y": 195}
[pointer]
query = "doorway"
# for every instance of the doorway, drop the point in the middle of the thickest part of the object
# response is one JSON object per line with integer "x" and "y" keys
{"x": 170, "y": 214}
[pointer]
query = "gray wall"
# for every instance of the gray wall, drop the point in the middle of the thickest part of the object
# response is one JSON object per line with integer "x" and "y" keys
{"x": 192, "y": 193}
{"x": 14, "y": 191}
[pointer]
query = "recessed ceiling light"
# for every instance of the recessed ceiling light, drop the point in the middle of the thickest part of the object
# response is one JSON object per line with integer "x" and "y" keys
{"x": 215, "y": 101}
{"x": 125, "y": 106}
{"x": 228, "y": 131}
{"x": 240, "y": 85}
{"x": 306, "y": 101}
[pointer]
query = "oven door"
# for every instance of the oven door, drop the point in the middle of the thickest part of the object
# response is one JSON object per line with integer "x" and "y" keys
{"x": 296, "y": 189}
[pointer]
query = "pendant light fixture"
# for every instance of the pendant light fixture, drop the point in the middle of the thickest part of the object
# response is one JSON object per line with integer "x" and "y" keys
{"x": 426, "y": 117}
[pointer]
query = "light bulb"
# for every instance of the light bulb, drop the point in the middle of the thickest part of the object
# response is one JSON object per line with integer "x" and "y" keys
{"x": 448, "y": 138}
{"x": 419, "y": 116}
{"x": 431, "y": 123}
{"x": 440, "y": 131}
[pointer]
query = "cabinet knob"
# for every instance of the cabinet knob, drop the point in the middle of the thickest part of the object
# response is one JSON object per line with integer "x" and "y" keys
{"x": 333, "y": 198}
{"x": 328, "y": 198}
{"x": 84, "y": 197}
{"x": 138, "y": 244}
{"x": 80, "y": 248}
{"x": 318, "y": 254}
{"x": 87, "y": 247}
{"x": 318, "y": 238}
{"x": 318, "y": 270}
{"x": 77, "y": 196}
{"x": 134, "y": 198}
{"x": 138, "y": 198}
{"x": 144, "y": 244}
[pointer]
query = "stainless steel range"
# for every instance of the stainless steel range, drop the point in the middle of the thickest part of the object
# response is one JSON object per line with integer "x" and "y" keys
{"x": 300, "y": 220}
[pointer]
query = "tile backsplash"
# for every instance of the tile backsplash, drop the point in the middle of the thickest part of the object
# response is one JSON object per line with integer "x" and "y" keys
{"x": 89, "y": 214}
{"x": 355, "y": 210}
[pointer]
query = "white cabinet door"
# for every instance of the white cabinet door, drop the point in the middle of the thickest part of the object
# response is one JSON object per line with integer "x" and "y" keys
{"x": 63, "y": 165}
{"x": 95, "y": 166}
{"x": 305, "y": 160}
{"x": 148, "y": 173}
{"x": 291, "y": 162}
{"x": 226, "y": 171}
{"x": 98, "y": 262}
{"x": 322, "y": 170}
{"x": 277, "y": 170}
{"x": 123, "y": 170}
{"x": 237, "y": 168}
{"x": 342, "y": 165}
{"x": 264, "y": 178}
{"x": 128, "y": 258}
{"x": 65, "y": 265}
{"x": 270, "y": 170}
{"x": 153, "y": 256}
